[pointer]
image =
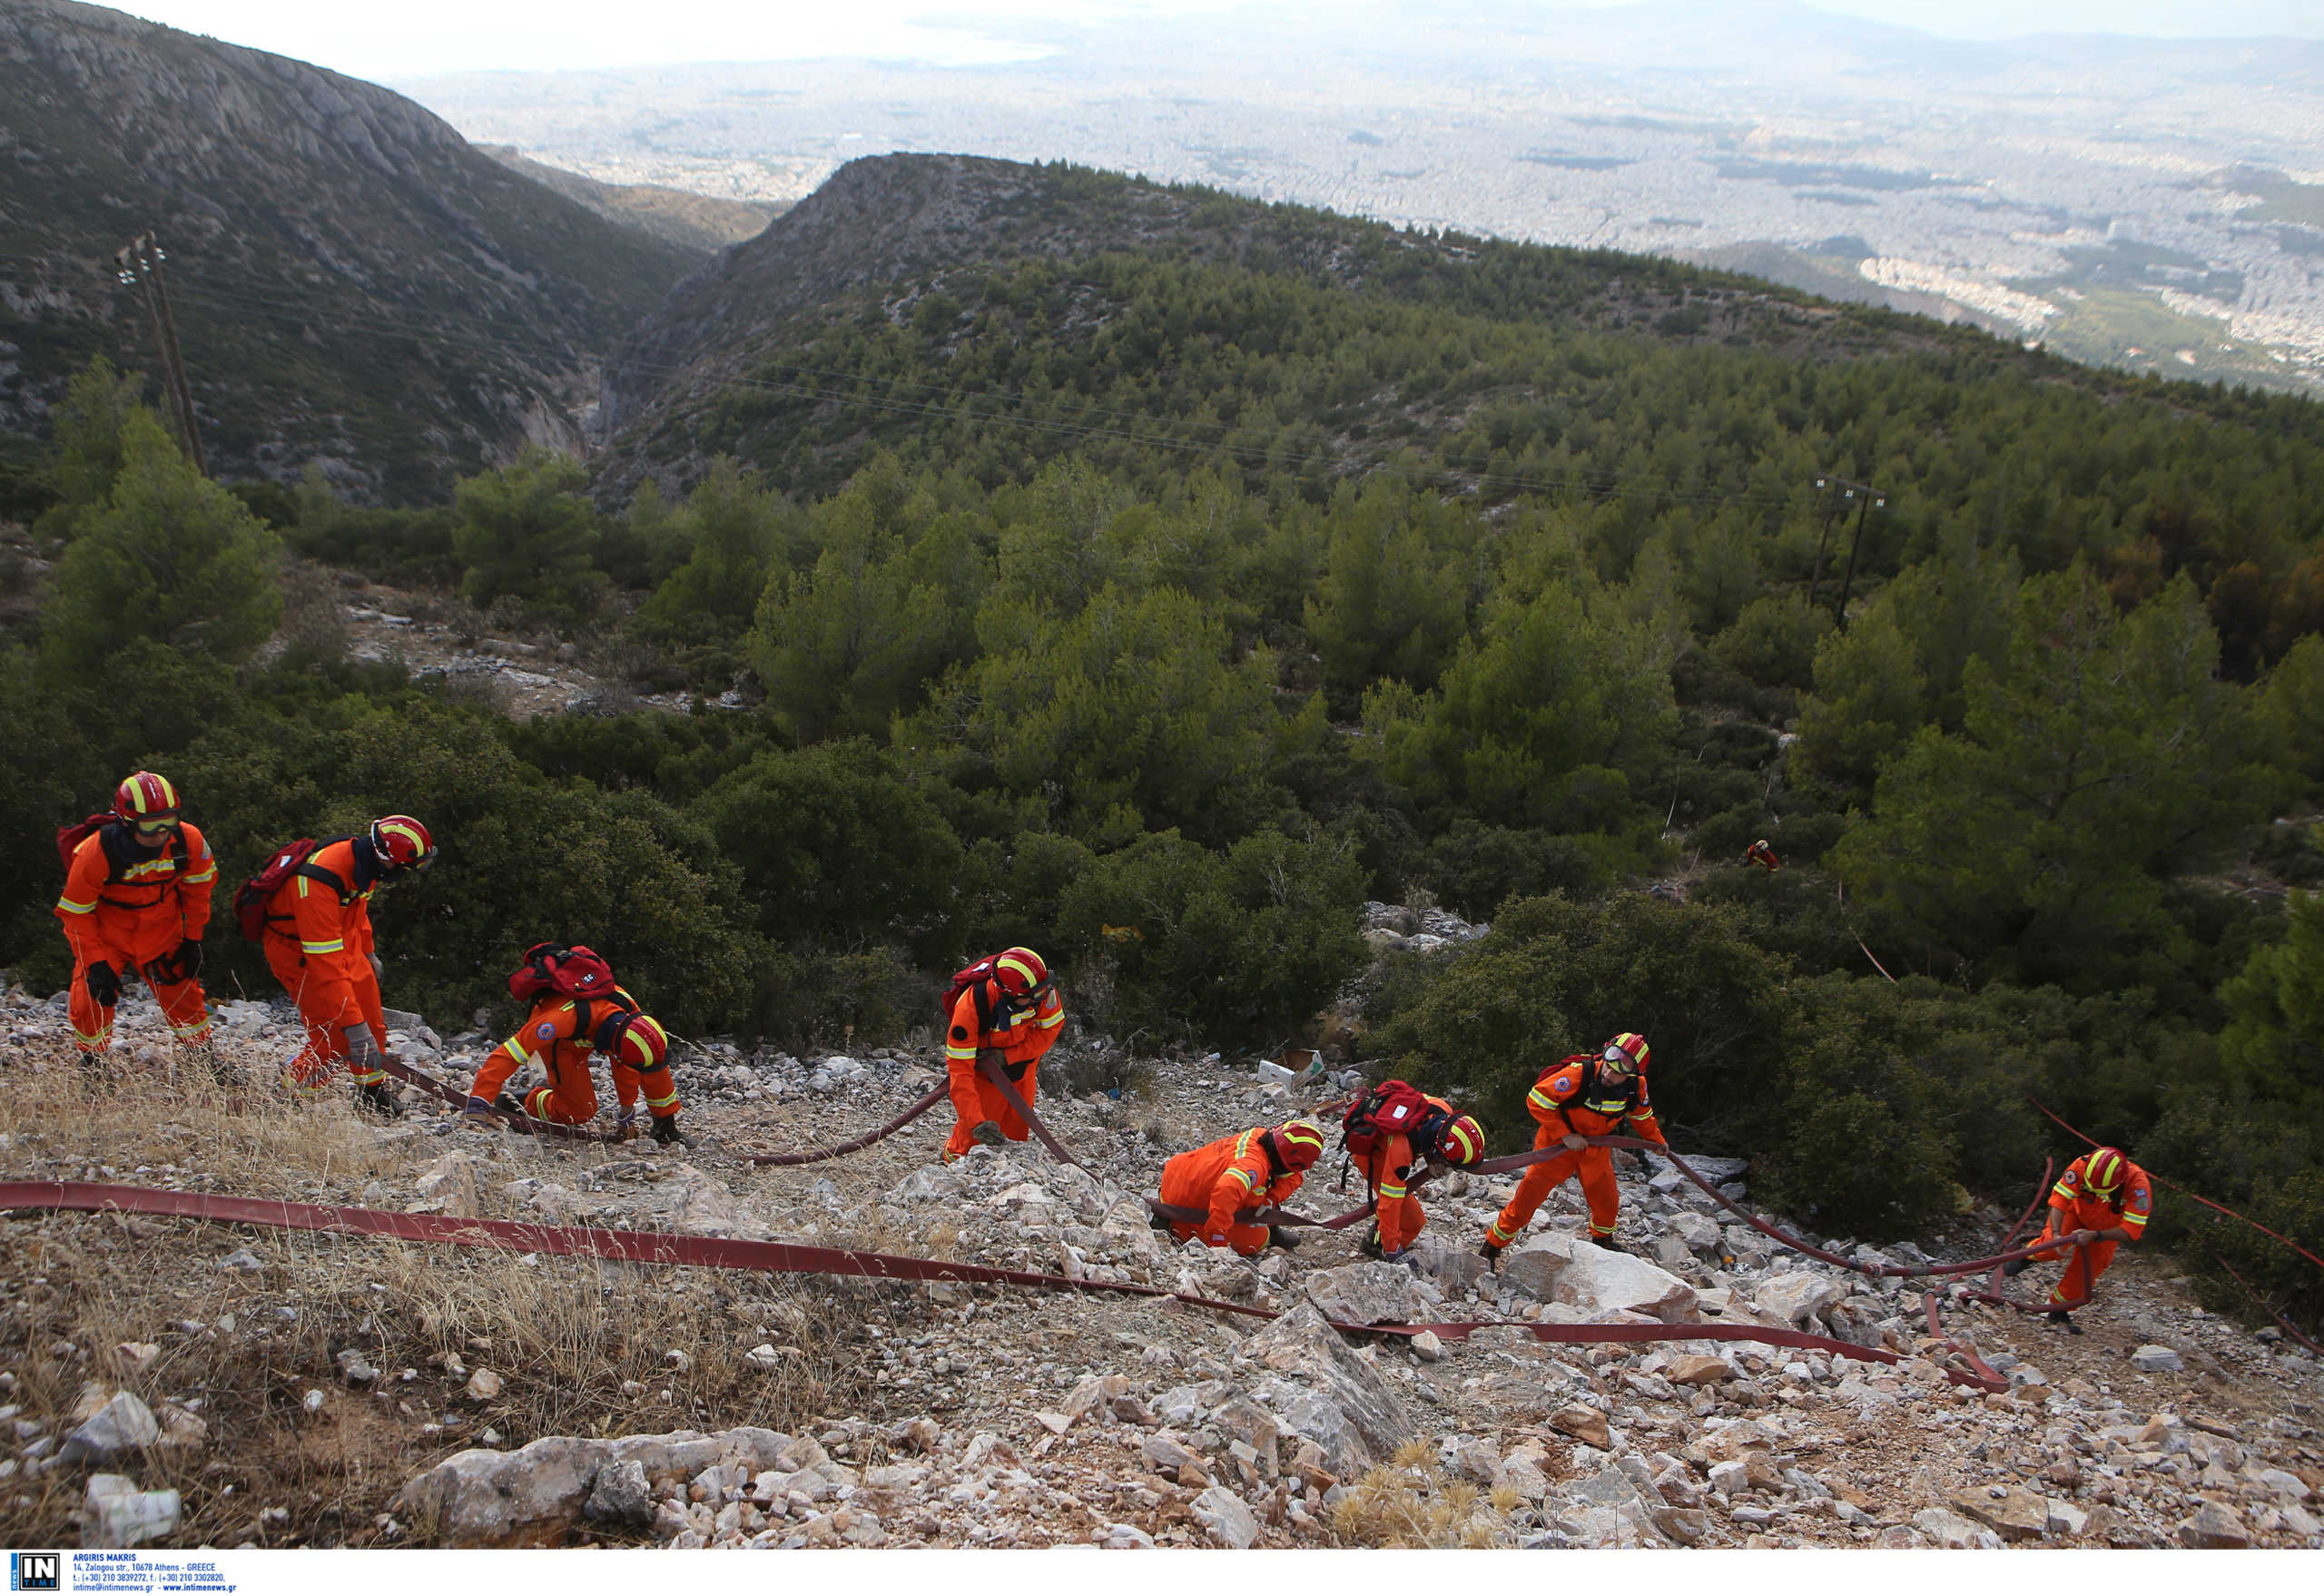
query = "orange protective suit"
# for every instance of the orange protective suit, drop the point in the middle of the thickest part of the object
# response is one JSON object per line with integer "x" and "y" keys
{"x": 2074, "y": 1206}
{"x": 1398, "y": 1217}
{"x": 559, "y": 1036}
{"x": 1233, "y": 1172}
{"x": 127, "y": 906}
{"x": 1573, "y": 1099}
{"x": 318, "y": 943}
{"x": 1019, "y": 1045}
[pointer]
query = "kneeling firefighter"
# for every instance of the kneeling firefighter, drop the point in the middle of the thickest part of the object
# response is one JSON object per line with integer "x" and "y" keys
{"x": 577, "y": 1010}
{"x": 1004, "y": 1010}
{"x": 2100, "y": 1201}
{"x": 1259, "y": 1168}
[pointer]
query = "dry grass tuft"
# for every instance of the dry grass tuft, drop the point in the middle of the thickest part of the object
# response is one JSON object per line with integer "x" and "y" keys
{"x": 387, "y": 1334}
{"x": 1410, "y": 1503}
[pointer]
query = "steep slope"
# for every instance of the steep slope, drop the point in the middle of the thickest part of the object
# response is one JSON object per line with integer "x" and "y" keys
{"x": 352, "y": 281}
{"x": 697, "y": 224}
{"x": 755, "y": 350}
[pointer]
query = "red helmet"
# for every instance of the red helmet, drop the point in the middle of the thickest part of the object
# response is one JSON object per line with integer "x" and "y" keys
{"x": 2103, "y": 1171}
{"x": 402, "y": 842}
{"x": 645, "y": 1045}
{"x": 143, "y": 796}
{"x": 1019, "y": 970}
{"x": 1628, "y": 1052}
{"x": 1299, "y": 1143}
{"x": 1462, "y": 1142}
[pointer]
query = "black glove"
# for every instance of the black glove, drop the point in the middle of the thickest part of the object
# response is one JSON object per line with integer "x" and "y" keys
{"x": 104, "y": 986}
{"x": 666, "y": 1128}
{"x": 189, "y": 958}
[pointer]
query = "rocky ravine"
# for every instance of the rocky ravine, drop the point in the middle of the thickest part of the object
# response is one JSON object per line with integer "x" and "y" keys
{"x": 1005, "y": 1417}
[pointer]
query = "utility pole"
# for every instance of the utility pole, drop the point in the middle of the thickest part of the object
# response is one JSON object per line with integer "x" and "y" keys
{"x": 1816, "y": 571}
{"x": 140, "y": 261}
{"x": 1867, "y": 498}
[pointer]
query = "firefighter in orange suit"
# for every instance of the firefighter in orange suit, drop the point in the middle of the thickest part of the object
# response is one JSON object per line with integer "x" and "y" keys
{"x": 1583, "y": 1095}
{"x": 1008, "y": 1011}
{"x": 1258, "y": 1168}
{"x": 319, "y": 944}
{"x": 1396, "y": 1158}
{"x": 560, "y": 1035}
{"x": 136, "y": 900}
{"x": 2100, "y": 1201}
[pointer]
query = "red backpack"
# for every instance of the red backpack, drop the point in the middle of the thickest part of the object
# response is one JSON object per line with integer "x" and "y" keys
{"x": 1393, "y": 1108}
{"x": 253, "y": 895}
{"x": 70, "y": 838}
{"x": 571, "y": 972}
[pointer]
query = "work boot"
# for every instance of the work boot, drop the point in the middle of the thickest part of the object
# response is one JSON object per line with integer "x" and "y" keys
{"x": 2064, "y": 1320}
{"x": 2015, "y": 1267}
{"x": 1490, "y": 1253}
{"x": 377, "y": 1098}
{"x": 1370, "y": 1245}
{"x": 988, "y": 1133}
{"x": 1282, "y": 1235}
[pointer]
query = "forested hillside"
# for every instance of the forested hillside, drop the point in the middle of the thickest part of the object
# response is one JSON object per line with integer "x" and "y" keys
{"x": 1156, "y": 606}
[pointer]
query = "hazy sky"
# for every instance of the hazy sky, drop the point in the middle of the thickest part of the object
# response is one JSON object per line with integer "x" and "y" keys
{"x": 411, "y": 37}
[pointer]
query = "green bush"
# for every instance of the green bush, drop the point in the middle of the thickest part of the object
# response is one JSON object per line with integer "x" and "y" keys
{"x": 528, "y": 532}
{"x": 1236, "y": 949}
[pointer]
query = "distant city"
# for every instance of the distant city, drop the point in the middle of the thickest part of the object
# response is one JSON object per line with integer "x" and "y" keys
{"x": 2144, "y": 204}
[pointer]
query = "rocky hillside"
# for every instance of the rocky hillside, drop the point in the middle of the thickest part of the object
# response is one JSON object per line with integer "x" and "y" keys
{"x": 191, "y": 1384}
{"x": 352, "y": 282}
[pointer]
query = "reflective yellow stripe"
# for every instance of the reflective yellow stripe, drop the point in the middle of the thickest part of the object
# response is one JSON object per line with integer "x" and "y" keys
{"x": 337, "y": 946}
{"x": 1054, "y": 1021}
{"x": 208, "y": 876}
{"x": 1246, "y": 1176}
{"x": 2064, "y": 1190}
{"x": 70, "y": 907}
{"x": 663, "y": 1102}
{"x": 959, "y": 1055}
{"x": 1497, "y": 1236}
{"x": 1391, "y": 1191}
{"x": 1539, "y": 1101}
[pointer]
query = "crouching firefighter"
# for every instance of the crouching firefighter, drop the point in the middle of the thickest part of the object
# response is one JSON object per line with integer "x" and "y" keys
{"x": 1581, "y": 1095}
{"x": 579, "y": 1012}
{"x": 311, "y": 911}
{"x": 1258, "y": 1168}
{"x": 2100, "y": 1201}
{"x": 1392, "y": 1132}
{"x": 1004, "y": 1010}
{"x": 136, "y": 900}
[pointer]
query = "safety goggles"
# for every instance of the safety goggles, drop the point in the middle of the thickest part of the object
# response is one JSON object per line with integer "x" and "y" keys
{"x": 1618, "y": 1063}
{"x": 156, "y": 826}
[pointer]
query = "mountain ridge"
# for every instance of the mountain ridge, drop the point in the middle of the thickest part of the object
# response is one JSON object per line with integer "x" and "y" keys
{"x": 354, "y": 284}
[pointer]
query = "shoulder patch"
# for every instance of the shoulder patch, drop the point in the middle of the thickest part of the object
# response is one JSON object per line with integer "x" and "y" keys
{"x": 546, "y": 1031}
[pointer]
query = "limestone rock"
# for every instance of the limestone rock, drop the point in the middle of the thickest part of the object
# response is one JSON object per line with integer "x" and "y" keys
{"x": 1798, "y": 1296}
{"x": 1320, "y": 1371}
{"x": 621, "y": 1495}
{"x": 123, "y": 1425}
{"x": 531, "y": 1496}
{"x": 1694, "y": 1368}
{"x": 1373, "y": 1292}
{"x": 1699, "y": 1235}
{"x": 1454, "y": 1269}
{"x": 2157, "y": 1360}
{"x": 1224, "y": 1515}
{"x": 1583, "y": 1422}
{"x": 2014, "y": 1514}
{"x": 1951, "y": 1531}
{"x": 1523, "y": 1471}
{"x": 483, "y": 1385}
{"x": 2214, "y": 1527}
{"x": 1601, "y": 1281}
